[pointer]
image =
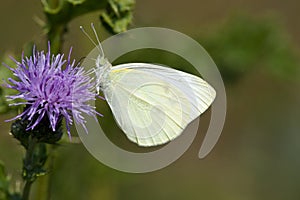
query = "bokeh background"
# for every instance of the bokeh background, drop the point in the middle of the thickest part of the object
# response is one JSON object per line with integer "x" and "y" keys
{"x": 256, "y": 46}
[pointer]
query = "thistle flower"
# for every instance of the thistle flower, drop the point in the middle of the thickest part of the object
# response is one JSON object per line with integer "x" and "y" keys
{"x": 52, "y": 88}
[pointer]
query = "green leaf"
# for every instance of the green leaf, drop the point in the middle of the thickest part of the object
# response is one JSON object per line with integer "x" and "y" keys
{"x": 52, "y": 7}
{"x": 4, "y": 108}
{"x": 118, "y": 15}
{"x": 5, "y": 73}
{"x": 76, "y": 2}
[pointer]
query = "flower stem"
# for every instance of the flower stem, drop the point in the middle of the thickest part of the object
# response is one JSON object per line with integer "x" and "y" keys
{"x": 27, "y": 168}
{"x": 33, "y": 163}
{"x": 26, "y": 190}
{"x": 43, "y": 190}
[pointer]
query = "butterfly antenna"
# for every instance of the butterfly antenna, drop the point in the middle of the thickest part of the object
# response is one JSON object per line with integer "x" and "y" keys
{"x": 89, "y": 37}
{"x": 94, "y": 30}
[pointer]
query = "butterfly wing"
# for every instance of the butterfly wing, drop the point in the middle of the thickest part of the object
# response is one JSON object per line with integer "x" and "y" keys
{"x": 153, "y": 104}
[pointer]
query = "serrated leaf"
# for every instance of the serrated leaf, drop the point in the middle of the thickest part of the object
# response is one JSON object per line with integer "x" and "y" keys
{"x": 118, "y": 15}
{"x": 6, "y": 73}
{"x": 122, "y": 5}
{"x": 114, "y": 7}
{"x": 116, "y": 25}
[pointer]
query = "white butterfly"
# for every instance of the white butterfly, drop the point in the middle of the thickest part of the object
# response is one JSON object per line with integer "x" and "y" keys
{"x": 152, "y": 104}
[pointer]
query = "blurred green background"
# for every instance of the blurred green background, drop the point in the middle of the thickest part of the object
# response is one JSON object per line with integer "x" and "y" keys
{"x": 256, "y": 47}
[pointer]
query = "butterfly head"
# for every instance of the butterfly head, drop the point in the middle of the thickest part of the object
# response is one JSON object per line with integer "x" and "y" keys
{"x": 102, "y": 64}
{"x": 101, "y": 61}
{"x": 102, "y": 69}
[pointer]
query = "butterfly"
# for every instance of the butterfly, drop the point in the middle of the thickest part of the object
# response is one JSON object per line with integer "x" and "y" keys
{"x": 151, "y": 103}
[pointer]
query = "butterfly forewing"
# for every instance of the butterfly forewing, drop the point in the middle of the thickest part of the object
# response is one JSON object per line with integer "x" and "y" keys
{"x": 153, "y": 104}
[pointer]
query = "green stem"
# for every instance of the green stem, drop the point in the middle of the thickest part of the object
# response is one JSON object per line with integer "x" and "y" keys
{"x": 27, "y": 168}
{"x": 55, "y": 36}
{"x": 26, "y": 190}
{"x": 43, "y": 191}
{"x": 51, "y": 167}
{"x": 33, "y": 163}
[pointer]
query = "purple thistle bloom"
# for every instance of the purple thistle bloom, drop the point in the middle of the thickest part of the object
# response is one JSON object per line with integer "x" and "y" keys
{"x": 49, "y": 90}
